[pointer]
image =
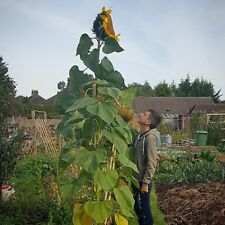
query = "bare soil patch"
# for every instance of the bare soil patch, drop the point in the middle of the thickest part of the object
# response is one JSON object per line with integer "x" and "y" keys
{"x": 192, "y": 204}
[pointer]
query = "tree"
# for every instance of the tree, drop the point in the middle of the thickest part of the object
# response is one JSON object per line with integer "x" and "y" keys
{"x": 61, "y": 85}
{"x": 173, "y": 88}
{"x": 184, "y": 88}
{"x": 7, "y": 92}
{"x": 142, "y": 89}
{"x": 8, "y": 150}
{"x": 163, "y": 89}
{"x": 201, "y": 88}
{"x": 216, "y": 96}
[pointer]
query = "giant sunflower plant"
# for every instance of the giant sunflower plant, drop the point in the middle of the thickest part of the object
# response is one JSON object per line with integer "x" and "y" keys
{"x": 97, "y": 137}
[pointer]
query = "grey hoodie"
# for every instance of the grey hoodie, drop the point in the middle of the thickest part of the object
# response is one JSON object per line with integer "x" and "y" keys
{"x": 145, "y": 156}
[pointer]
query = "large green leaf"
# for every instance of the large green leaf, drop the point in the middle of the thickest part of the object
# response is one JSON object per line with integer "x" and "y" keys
{"x": 106, "y": 72}
{"x": 82, "y": 103}
{"x": 125, "y": 200}
{"x": 99, "y": 211}
{"x": 116, "y": 140}
{"x": 84, "y": 45}
{"x": 126, "y": 162}
{"x": 66, "y": 99}
{"x": 92, "y": 60}
{"x": 69, "y": 190}
{"x": 90, "y": 160}
{"x": 77, "y": 79}
{"x": 107, "y": 65}
{"x": 106, "y": 179}
{"x": 103, "y": 110}
{"x": 127, "y": 132}
{"x": 89, "y": 128}
{"x": 75, "y": 117}
{"x": 66, "y": 156}
{"x": 66, "y": 130}
{"x": 111, "y": 45}
{"x": 110, "y": 91}
{"x": 116, "y": 79}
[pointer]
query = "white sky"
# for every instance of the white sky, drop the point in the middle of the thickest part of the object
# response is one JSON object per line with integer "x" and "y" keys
{"x": 163, "y": 40}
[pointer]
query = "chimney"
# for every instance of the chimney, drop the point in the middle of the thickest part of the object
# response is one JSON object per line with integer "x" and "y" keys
{"x": 34, "y": 92}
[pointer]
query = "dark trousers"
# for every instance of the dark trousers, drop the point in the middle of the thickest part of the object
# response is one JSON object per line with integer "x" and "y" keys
{"x": 142, "y": 205}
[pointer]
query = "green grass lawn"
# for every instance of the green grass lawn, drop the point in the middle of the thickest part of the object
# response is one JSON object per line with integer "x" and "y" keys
{"x": 157, "y": 214}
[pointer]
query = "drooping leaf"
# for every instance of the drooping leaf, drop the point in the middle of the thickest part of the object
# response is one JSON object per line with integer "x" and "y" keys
{"x": 106, "y": 72}
{"x": 116, "y": 79}
{"x": 116, "y": 140}
{"x": 82, "y": 103}
{"x": 123, "y": 124}
{"x": 84, "y": 45}
{"x": 98, "y": 210}
{"x": 111, "y": 45}
{"x": 124, "y": 132}
{"x": 120, "y": 220}
{"x": 110, "y": 91}
{"x": 125, "y": 200}
{"x": 77, "y": 78}
{"x": 88, "y": 129}
{"x": 89, "y": 160}
{"x": 91, "y": 60}
{"x": 106, "y": 179}
{"x": 80, "y": 217}
{"x": 107, "y": 65}
{"x": 126, "y": 162}
{"x": 75, "y": 117}
{"x": 103, "y": 110}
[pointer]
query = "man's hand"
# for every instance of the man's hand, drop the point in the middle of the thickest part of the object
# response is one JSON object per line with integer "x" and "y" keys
{"x": 144, "y": 187}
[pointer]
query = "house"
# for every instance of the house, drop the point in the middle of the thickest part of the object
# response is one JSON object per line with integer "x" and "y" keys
{"x": 177, "y": 110}
{"x": 36, "y": 98}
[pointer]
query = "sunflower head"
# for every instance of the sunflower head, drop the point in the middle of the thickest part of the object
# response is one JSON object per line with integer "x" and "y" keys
{"x": 103, "y": 25}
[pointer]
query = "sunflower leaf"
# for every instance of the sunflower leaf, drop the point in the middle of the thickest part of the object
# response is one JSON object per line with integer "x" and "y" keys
{"x": 111, "y": 45}
{"x": 84, "y": 45}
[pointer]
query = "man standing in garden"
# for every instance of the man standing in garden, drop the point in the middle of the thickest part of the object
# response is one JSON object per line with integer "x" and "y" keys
{"x": 145, "y": 159}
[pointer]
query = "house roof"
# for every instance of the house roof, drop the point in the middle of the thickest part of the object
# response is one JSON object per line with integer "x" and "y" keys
{"x": 170, "y": 105}
{"x": 37, "y": 99}
{"x": 220, "y": 107}
{"x": 51, "y": 100}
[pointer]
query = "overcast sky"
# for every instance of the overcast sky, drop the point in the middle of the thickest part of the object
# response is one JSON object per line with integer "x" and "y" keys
{"x": 163, "y": 40}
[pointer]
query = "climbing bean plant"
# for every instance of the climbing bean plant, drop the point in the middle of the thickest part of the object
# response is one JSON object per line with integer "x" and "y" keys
{"x": 97, "y": 138}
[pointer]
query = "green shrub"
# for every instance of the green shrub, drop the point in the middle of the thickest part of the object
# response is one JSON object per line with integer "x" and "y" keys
{"x": 190, "y": 168}
{"x": 39, "y": 211}
{"x": 215, "y": 133}
{"x": 33, "y": 204}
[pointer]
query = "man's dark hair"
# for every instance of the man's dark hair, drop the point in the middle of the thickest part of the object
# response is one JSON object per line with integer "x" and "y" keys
{"x": 155, "y": 118}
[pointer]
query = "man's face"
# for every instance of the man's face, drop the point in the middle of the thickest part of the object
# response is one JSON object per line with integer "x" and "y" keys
{"x": 144, "y": 118}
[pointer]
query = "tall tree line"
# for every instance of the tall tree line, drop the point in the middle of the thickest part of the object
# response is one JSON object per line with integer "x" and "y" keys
{"x": 186, "y": 88}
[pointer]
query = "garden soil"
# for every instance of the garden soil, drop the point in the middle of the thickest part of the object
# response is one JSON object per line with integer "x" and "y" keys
{"x": 197, "y": 204}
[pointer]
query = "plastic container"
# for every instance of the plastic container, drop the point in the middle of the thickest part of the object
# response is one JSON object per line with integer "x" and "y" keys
{"x": 167, "y": 139}
{"x": 159, "y": 143}
{"x": 201, "y": 138}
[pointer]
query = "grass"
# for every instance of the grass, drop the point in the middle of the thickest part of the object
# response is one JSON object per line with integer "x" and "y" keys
{"x": 157, "y": 214}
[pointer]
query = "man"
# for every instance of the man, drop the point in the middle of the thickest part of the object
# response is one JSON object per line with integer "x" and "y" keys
{"x": 145, "y": 159}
